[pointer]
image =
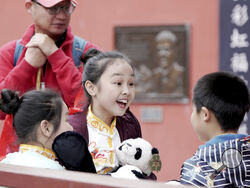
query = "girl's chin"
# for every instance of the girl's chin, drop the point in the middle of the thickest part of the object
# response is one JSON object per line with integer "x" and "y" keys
{"x": 121, "y": 112}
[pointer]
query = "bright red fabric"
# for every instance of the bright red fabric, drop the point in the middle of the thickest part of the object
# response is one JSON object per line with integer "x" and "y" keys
{"x": 8, "y": 137}
{"x": 61, "y": 74}
{"x": 78, "y": 103}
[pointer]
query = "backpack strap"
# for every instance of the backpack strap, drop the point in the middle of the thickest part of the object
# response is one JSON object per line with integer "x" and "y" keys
{"x": 18, "y": 51}
{"x": 77, "y": 49}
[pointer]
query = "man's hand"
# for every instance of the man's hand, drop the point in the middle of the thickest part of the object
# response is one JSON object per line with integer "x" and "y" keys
{"x": 35, "y": 57}
{"x": 44, "y": 42}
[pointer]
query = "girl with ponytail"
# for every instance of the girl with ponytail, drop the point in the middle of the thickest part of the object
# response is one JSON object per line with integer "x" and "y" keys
{"x": 38, "y": 117}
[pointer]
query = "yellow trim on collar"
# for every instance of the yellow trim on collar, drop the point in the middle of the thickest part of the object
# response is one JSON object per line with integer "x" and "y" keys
{"x": 43, "y": 151}
{"x": 98, "y": 123}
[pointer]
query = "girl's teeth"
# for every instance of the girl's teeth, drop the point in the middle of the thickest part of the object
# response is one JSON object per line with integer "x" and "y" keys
{"x": 123, "y": 101}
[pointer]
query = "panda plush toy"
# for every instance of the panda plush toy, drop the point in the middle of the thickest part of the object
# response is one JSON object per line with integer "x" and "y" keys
{"x": 137, "y": 159}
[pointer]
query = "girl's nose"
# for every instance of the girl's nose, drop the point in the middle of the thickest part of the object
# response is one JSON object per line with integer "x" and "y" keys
{"x": 125, "y": 90}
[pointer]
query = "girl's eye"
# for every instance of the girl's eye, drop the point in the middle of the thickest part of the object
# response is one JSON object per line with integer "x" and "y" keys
{"x": 132, "y": 84}
{"x": 118, "y": 83}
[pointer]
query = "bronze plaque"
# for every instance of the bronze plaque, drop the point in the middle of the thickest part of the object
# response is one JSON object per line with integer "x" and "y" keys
{"x": 160, "y": 56}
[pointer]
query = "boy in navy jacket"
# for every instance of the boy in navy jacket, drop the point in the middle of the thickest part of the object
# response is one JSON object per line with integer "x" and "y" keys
{"x": 220, "y": 102}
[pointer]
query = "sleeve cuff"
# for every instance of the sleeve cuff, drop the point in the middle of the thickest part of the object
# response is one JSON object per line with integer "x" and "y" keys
{"x": 57, "y": 58}
{"x": 27, "y": 67}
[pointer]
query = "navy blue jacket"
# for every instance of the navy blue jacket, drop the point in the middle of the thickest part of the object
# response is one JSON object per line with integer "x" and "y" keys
{"x": 209, "y": 158}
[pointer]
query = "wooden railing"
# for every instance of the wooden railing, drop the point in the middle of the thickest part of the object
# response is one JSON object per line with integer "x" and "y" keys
{"x": 19, "y": 176}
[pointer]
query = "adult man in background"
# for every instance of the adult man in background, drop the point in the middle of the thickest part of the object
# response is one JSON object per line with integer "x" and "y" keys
{"x": 46, "y": 58}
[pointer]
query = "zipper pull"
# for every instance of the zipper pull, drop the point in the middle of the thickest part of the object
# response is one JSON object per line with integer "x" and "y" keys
{"x": 42, "y": 85}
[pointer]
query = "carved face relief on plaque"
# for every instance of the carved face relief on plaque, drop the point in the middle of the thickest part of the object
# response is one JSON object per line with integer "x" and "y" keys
{"x": 160, "y": 56}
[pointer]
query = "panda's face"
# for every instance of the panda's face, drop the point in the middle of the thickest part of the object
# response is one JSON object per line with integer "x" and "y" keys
{"x": 128, "y": 150}
{"x": 135, "y": 152}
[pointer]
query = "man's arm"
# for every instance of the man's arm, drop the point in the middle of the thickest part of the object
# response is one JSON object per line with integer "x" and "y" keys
{"x": 21, "y": 77}
{"x": 68, "y": 76}
{"x": 17, "y": 77}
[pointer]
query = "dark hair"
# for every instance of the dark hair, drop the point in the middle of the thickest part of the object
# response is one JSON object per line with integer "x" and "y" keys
{"x": 28, "y": 111}
{"x": 97, "y": 64}
{"x": 226, "y": 95}
{"x": 89, "y": 54}
{"x": 72, "y": 152}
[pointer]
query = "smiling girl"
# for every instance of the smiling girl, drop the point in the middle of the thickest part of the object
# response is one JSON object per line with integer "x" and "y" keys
{"x": 106, "y": 121}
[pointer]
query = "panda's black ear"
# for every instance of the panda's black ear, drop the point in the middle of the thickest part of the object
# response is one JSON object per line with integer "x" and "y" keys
{"x": 154, "y": 151}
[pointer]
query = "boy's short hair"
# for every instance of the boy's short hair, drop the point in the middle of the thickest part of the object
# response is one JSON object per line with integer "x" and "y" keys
{"x": 226, "y": 95}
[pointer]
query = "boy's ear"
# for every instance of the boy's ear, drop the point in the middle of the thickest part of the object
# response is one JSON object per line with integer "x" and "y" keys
{"x": 206, "y": 114}
{"x": 46, "y": 128}
{"x": 91, "y": 88}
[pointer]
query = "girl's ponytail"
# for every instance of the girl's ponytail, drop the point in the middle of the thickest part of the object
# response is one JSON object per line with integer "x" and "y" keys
{"x": 9, "y": 102}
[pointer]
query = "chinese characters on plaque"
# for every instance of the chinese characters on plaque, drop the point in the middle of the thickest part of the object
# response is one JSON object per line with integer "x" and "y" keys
{"x": 234, "y": 43}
